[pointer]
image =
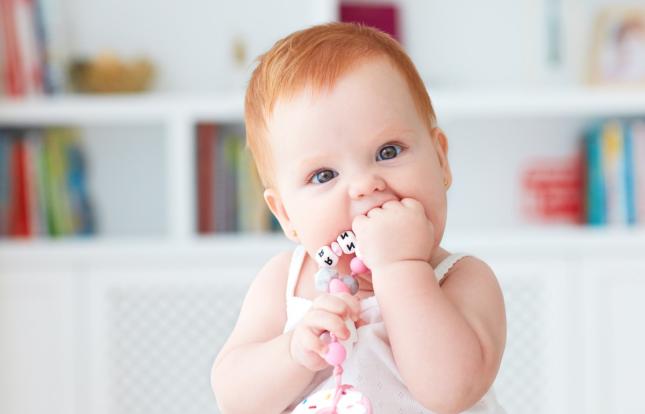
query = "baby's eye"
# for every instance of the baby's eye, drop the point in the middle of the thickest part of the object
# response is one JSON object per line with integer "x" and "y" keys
{"x": 388, "y": 152}
{"x": 322, "y": 176}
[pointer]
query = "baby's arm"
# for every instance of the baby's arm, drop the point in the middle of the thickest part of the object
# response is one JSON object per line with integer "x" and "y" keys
{"x": 259, "y": 357}
{"x": 447, "y": 340}
{"x": 256, "y": 356}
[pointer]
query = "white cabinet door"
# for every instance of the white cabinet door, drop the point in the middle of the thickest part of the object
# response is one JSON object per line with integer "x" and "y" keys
{"x": 154, "y": 332}
{"x": 614, "y": 321}
{"x": 537, "y": 363}
{"x": 37, "y": 343}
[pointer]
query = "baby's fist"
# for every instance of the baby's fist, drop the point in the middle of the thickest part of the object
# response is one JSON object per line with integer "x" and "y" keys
{"x": 399, "y": 230}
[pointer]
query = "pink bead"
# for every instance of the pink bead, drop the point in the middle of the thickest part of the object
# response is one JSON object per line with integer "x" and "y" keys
{"x": 337, "y": 286}
{"x": 335, "y": 247}
{"x": 336, "y": 354}
{"x": 358, "y": 266}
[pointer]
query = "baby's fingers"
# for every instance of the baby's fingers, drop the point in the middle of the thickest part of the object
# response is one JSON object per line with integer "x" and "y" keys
{"x": 353, "y": 303}
{"x": 341, "y": 304}
{"x": 312, "y": 342}
{"x": 319, "y": 321}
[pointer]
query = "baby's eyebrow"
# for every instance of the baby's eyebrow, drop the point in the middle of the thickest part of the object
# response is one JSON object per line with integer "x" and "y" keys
{"x": 312, "y": 160}
{"x": 389, "y": 130}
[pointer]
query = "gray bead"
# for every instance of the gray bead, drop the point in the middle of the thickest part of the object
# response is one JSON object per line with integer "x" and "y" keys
{"x": 351, "y": 282}
{"x": 323, "y": 276}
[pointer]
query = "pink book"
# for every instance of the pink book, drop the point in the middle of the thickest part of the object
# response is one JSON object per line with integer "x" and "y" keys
{"x": 382, "y": 16}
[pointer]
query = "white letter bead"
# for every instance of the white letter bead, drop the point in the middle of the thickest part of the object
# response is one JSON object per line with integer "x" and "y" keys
{"x": 325, "y": 257}
{"x": 347, "y": 242}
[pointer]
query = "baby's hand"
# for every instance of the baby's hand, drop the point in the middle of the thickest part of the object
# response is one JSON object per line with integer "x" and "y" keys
{"x": 327, "y": 313}
{"x": 399, "y": 230}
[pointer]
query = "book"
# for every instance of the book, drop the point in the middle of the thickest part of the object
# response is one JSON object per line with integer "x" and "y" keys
{"x": 251, "y": 207}
{"x": 225, "y": 181}
{"x": 13, "y": 75}
{"x": 33, "y": 143}
{"x": 595, "y": 190}
{"x": 206, "y": 157}
{"x": 613, "y": 166}
{"x": 638, "y": 151}
{"x": 628, "y": 176}
{"x": 26, "y": 34}
{"x": 81, "y": 211}
{"x": 5, "y": 180}
{"x": 19, "y": 206}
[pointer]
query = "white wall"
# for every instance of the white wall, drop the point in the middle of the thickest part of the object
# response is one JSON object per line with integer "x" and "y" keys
{"x": 455, "y": 43}
{"x": 191, "y": 41}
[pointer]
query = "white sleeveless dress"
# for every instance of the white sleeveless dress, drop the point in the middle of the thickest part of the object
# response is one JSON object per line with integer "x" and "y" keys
{"x": 369, "y": 365}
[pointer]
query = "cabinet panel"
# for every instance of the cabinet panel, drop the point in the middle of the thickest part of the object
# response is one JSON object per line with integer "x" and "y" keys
{"x": 154, "y": 333}
{"x": 614, "y": 320}
{"x": 37, "y": 349}
{"x": 535, "y": 372}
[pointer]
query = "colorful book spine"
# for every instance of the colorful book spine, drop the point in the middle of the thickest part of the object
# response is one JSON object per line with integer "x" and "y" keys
{"x": 24, "y": 12}
{"x": 13, "y": 73}
{"x": 638, "y": 151}
{"x": 43, "y": 188}
{"x": 629, "y": 184}
{"x": 19, "y": 223}
{"x": 595, "y": 200}
{"x": 614, "y": 172}
{"x": 5, "y": 181}
{"x": 32, "y": 61}
{"x": 206, "y": 156}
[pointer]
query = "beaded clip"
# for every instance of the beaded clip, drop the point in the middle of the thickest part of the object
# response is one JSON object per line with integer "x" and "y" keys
{"x": 327, "y": 279}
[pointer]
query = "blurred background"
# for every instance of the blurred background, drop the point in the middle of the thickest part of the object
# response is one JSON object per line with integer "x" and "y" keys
{"x": 132, "y": 222}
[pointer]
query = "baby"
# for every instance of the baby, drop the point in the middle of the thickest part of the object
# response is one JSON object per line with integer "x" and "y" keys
{"x": 345, "y": 138}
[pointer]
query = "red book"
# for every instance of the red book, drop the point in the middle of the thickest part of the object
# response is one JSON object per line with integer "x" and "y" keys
{"x": 13, "y": 75}
{"x": 19, "y": 222}
{"x": 206, "y": 136}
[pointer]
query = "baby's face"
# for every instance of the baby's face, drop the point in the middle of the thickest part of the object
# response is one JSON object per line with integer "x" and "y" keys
{"x": 338, "y": 154}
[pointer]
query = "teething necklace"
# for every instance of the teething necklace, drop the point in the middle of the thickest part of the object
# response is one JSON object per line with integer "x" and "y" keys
{"x": 328, "y": 279}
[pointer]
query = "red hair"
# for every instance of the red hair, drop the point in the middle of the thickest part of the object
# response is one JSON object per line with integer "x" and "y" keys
{"x": 318, "y": 57}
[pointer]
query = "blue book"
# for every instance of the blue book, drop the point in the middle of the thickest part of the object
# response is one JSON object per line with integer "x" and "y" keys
{"x": 77, "y": 189}
{"x": 5, "y": 181}
{"x": 630, "y": 197}
{"x": 596, "y": 202}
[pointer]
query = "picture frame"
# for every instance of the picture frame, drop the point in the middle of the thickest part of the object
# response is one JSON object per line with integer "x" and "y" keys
{"x": 618, "y": 47}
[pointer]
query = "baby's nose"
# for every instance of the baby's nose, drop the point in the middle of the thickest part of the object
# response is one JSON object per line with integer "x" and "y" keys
{"x": 365, "y": 184}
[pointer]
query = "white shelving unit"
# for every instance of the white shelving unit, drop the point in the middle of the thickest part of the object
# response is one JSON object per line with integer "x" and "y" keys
{"x": 177, "y": 115}
{"x": 81, "y": 298}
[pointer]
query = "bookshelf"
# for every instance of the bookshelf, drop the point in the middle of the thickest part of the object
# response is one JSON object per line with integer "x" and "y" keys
{"x": 114, "y": 126}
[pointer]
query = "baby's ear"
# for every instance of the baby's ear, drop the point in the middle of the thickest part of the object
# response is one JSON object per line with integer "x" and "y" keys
{"x": 274, "y": 202}
{"x": 441, "y": 147}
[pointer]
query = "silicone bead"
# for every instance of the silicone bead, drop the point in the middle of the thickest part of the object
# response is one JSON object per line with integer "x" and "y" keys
{"x": 336, "y": 354}
{"x": 351, "y": 283}
{"x": 347, "y": 242}
{"x": 324, "y": 275}
{"x": 357, "y": 266}
{"x": 326, "y": 257}
{"x": 337, "y": 286}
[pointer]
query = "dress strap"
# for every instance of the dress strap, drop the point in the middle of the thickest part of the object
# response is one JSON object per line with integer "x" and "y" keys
{"x": 446, "y": 264}
{"x": 297, "y": 258}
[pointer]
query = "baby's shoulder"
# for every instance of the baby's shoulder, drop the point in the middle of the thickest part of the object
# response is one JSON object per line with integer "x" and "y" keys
{"x": 271, "y": 281}
{"x": 273, "y": 275}
{"x": 470, "y": 265}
